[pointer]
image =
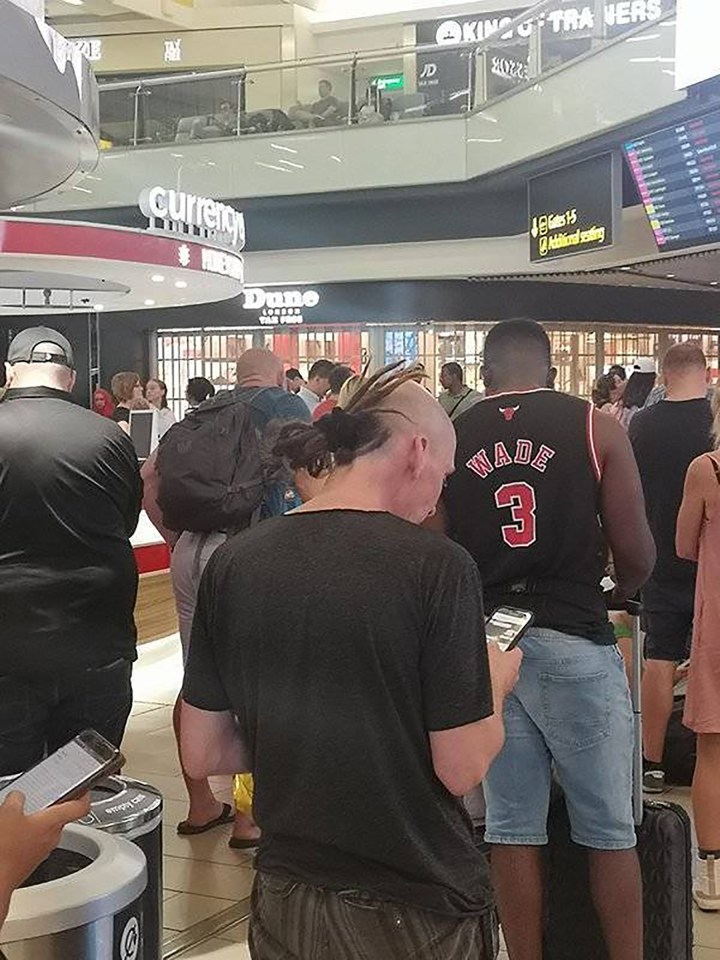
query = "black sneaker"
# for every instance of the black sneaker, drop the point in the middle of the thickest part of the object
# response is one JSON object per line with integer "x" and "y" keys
{"x": 654, "y": 781}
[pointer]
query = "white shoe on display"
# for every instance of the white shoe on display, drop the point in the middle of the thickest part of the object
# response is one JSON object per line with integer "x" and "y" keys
{"x": 707, "y": 890}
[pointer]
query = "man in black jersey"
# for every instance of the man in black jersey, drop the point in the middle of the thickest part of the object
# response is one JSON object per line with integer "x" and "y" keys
{"x": 666, "y": 438}
{"x": 543, "y": 483}
{"x": 361, "y": 739}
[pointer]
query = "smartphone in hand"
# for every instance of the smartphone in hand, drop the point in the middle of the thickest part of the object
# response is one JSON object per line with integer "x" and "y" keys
{"x": 68, "y": 773}
{"x": 507, "y": 626}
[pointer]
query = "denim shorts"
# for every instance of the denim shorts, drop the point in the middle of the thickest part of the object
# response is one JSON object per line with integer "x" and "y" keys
{"x": 570, "y": 714}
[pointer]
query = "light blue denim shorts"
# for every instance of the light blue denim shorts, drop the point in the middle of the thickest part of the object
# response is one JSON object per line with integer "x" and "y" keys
{"x": 570, "y": 714}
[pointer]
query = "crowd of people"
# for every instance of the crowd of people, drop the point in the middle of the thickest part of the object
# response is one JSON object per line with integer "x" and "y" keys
{"x": 356, "y": 685}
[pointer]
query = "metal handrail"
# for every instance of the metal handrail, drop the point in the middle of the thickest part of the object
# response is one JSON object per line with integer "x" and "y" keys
{"x": 334, "y": 59}
{"x": 476, "y": 50}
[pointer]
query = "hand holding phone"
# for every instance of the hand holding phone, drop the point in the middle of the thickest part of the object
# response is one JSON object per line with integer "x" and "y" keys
{"x": 504, "y": 672}
{"x": 66, "y": 774}
{"x": 507, "y": 626}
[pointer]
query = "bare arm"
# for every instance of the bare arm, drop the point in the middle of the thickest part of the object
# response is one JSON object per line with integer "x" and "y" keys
{"x": 210, "y": 743}
{"x": 462, "y": 756}
{"x": 151, "y": 482}
{"x": 622, "y": 507}
{"x": 692, "y": 511}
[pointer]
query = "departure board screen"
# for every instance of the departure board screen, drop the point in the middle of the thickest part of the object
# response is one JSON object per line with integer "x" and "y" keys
{"x": 677, "y": 172}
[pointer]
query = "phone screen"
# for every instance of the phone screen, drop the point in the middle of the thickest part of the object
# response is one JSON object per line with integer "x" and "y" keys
{"x": 58, "y": 776}
{"x": 506, "y": 626}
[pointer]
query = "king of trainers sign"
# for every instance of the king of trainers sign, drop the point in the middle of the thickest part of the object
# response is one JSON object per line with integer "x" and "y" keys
{"x": 444, "y": 76}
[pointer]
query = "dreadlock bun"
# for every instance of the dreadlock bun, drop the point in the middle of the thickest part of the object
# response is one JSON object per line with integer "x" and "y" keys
{"x": 340, "y": 437}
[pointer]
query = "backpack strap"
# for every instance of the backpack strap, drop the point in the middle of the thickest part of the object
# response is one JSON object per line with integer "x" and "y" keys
{"x": 456, "y": 405}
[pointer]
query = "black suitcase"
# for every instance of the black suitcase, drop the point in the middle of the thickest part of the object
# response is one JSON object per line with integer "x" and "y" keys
{"x": 572, "y": 929}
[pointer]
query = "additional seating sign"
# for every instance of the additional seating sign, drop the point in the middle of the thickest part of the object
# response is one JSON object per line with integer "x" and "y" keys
{"x": 575, "y": 209}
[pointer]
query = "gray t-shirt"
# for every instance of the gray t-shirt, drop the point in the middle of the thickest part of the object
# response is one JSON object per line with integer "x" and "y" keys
{"x": 455, "y": 405}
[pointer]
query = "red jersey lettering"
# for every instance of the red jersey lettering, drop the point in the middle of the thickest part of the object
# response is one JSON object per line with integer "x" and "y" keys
{"x": 520, "y": 498}
{"x": 523, "y": 451}
{"x": 502, "y": 457}
{"x": 480, "y": 464}
{"x": 542, "y": 458}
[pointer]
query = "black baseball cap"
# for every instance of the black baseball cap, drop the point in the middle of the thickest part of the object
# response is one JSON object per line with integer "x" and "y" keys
{"x": 23, "y": 347}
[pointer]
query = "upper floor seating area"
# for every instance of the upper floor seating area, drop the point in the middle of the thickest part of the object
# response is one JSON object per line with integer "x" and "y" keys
{"x": 457, "y": 67}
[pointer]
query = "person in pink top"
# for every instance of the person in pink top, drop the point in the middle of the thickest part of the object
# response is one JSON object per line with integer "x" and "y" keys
{"x": 698, "y": 538}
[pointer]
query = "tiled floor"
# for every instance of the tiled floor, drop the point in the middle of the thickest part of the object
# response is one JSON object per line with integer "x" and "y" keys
{"x": 206, "y": 883}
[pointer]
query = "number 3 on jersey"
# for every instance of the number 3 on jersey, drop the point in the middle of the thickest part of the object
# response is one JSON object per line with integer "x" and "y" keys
{"x": 520, "y": 499}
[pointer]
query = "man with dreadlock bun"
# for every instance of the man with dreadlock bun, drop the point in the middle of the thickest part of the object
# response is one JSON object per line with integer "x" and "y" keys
{"x": 363, "y": 739}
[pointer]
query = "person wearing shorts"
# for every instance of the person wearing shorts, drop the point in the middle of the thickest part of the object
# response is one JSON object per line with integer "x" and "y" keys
{"x": 698, "y": 538}
{"x": 534, "y": 468}
{"x": 666, "y": 438}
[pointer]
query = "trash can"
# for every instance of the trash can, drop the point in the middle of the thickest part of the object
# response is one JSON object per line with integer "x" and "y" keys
{"x": 133, "y": 810}
{"x": 84, "y": 903}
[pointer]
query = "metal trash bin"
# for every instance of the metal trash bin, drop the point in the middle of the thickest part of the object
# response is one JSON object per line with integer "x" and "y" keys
{"x": 133, "y": 810}
{"x": 84, "y": 903}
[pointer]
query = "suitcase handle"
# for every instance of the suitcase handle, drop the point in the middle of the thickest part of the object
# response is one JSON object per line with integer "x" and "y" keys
{"x": 634, "y": 609}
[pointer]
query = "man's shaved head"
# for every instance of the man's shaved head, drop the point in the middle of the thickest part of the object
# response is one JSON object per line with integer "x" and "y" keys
{"x": 258, "y": 367}
{"x": 392, "y": 447}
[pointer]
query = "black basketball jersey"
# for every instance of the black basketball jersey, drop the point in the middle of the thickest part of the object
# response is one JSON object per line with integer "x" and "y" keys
{"x": 524, "y": 502}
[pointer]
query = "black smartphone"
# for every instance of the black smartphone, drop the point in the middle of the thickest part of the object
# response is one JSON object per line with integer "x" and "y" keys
{"x": 68, "y": 773}
{"x": 507, "y": 626}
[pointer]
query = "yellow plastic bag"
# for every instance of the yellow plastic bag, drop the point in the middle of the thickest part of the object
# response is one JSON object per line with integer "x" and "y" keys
{"x": 243, "y": 789}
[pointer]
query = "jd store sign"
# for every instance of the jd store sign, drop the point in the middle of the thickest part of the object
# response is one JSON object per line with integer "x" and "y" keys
{"x": 444, "y": 76}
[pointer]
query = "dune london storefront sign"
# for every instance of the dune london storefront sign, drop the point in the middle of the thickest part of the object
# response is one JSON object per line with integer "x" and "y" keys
{"x": 280, "y": 307}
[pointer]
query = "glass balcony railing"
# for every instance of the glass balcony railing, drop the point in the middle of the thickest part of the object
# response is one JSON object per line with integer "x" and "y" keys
{"x": 473, "y": 62}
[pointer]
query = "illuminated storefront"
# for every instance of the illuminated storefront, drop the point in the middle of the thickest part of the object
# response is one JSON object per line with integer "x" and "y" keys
{"x": 581, "y": 352}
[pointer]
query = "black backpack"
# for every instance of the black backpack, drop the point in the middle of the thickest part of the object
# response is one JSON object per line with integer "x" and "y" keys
{"x": 211, "y": 468}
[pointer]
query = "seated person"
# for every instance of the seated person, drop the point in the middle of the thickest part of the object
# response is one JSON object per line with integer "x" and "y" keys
{"x": 225, "y": 119}
{"x": 325, "y": 111}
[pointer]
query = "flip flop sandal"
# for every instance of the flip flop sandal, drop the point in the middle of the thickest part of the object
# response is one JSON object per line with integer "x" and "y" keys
{"x": 237, "y": 843}
{"x": 186, "y": 829}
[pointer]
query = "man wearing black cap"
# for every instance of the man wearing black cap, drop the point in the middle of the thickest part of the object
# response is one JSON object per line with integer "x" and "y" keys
{"x": 70, "y": 494}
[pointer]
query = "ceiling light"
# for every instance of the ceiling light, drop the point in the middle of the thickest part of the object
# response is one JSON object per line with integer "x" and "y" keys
{"x": 149, "y": 303}
{"x": 714, "y": 283}
{"x": 181, "y": 284}
{"x": 670, "y": 276}
{"x": 74, "y": 3}
{"x": 98, "y": 307}
{"x": 157, "y": 278}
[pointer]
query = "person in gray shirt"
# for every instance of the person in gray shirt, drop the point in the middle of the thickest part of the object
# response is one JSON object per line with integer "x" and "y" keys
{"x": 456, "y": 397}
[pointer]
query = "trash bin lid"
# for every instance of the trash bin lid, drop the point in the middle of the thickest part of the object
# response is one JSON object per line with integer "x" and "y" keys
{"x": 115, "y": 878}
{"x": 124, "y": 806}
